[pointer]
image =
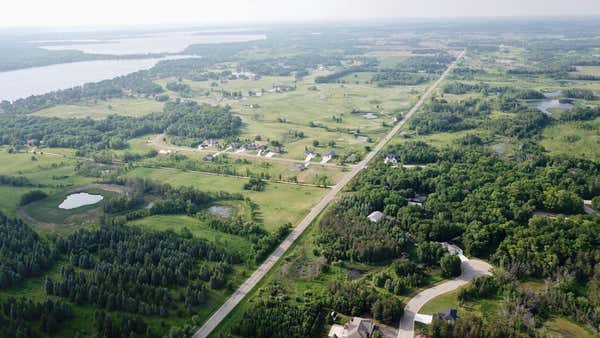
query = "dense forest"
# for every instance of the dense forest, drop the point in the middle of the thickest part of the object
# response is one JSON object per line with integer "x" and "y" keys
{"x": 486, "y": 205}
{"x": 22, "y": 253}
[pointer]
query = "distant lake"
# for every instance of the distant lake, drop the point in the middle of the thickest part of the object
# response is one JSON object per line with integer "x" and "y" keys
{"x": 545, "y": 105}
{"x": 40, "y": 80}
{"x": 171, "y": 42}
{"x": 81, "y": 199}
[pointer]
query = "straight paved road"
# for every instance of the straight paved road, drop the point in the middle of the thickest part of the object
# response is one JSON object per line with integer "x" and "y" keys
{"x": 251, "y": 282}
{"x": 470, "y": 269}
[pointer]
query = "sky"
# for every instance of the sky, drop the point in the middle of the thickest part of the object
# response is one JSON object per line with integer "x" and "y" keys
{"x": 82, "y": 13}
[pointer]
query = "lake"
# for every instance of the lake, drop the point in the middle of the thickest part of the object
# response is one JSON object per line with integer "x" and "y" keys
{"x": 545, "y": 105}
{"x": 22, "y": 83}
{"x": 221, "y": 211}
{"x": 171, "y": 42}
{"x": 81, "y": 199}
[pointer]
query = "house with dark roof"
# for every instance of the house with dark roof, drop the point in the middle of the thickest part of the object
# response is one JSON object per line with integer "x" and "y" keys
{"x": 330, "y": 154}
{"x": 448, "y": 315}
{"x": 249, "y": 146}
{"x": 357, "y": 328}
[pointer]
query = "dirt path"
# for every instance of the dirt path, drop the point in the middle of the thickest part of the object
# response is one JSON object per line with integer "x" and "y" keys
{"x": 262, "y": 270}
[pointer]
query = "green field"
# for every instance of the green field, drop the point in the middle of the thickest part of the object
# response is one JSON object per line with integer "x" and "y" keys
{"x": 279, "y": 203}
{"x": 102, "y": 109}
{"x": 47, "y": 211}
{"x": 564, "y": 328}
{"x": 280, "y": 113}
{"x": 581, "y": 139}
{"x": 176, "y": 223}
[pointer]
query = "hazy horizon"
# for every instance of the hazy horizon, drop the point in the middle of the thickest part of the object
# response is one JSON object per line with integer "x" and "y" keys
{"x": 113, "y": 13}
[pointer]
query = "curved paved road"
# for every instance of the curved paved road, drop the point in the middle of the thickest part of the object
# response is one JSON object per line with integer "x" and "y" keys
{"x": 262, "y": 270}
{"x": 470, "y": 269}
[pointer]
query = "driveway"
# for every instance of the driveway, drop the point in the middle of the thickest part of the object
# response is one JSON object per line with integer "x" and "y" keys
{"x": 470, "y": 269}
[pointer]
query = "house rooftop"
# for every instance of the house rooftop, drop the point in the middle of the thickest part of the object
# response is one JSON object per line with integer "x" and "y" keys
{"x": 375, "y": 216}
{"x": 448, "y": 315}
{"x": 357, "y": 328}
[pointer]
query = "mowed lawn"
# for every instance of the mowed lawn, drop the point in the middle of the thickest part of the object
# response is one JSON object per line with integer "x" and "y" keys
{"x": 101, "y": 109}
{"x": 279, "y": 203}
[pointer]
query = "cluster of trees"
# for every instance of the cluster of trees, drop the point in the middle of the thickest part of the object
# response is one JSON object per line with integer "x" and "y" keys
{"x": 263, "y": 242}
{"x": 16, "y": 181}
{"x": 579, "y": 93}
{"x": 337, "y": 76}
{"x": 25, "y": 318}
{"x": 414, "y": 152}
{"x": 130, "y": 270}
{"x": 255, "y": 184}
{"x": 522, "y": 310}
{"x": 441, "y": 115}
{"x": 107, "y": 326}
{"x": 181, "y": 88}
{"x": 397, "y": 77}
{"x": 179, "y": 119}
{"x": 473, "y": 197}
{"x": 191, "y": 120}
{"x": 580, "y": 113}
{"x": 355, "y": 299}
{"x": 32, "y": 196}
{"x": 123, "y": 203}
{"x": 434, "y": 64}
{"x": 22, "y": 253}
{"x": 276, "y": 319}
{"x": 459, "y": 88}
{"x": 401, "y": 277}
{"x": 543, "y": 245}
{"x": 345, "y": 232}
{"x": 170, "y": 200}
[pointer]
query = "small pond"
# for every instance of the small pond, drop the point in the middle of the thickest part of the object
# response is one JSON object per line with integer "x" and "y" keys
{"x": 555, "y": 93}
{"x": 545, "y": 105}
{"x": 220, "y": 210}
{"x": 81, "y": 199}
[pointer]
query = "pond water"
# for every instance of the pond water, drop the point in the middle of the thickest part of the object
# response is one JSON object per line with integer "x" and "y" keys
{"x": 81, "y": 199}
{"x": 220, "y": 210}
{"x": 170, "y": 42}
{"x": 40, "y": 80}
{"x": 545, "y": 105}
{"x": 556, "y": 93}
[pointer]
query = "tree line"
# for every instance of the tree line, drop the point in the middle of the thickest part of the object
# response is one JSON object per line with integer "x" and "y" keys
{"x": 179, "y": 119}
